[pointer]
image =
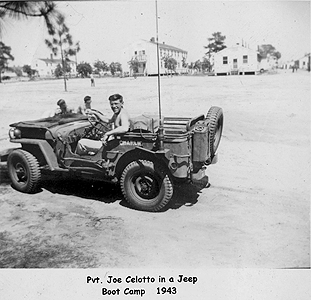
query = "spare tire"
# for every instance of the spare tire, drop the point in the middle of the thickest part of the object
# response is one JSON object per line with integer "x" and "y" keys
{"x": 214, "y": 119}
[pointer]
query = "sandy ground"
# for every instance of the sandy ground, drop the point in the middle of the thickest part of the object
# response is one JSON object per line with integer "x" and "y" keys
{"x": 255, "y": 214}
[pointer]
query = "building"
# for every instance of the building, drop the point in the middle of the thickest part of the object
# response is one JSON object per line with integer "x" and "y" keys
{"x": 237, "y": 60}
{"x": 304, "y": 62}
{"x": 146, "y": 53}
{"x": 267, "y": 64}
{"x": 45, "y": 66}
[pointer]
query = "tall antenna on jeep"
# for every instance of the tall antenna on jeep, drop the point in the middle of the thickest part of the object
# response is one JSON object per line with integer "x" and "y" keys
{"x": 161, "y": 129}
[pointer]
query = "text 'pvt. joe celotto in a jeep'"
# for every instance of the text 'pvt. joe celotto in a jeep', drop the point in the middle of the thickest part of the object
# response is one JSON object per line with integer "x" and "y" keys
{"x": 120, "y": 124}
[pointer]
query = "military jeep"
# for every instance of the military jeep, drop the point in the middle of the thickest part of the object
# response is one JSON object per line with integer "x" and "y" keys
{"x": 148, "y": 161}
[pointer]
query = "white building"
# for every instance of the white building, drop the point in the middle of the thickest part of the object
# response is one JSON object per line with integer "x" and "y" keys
{"x": 46, "y": 66}
{"x": 268, "y": 63}
{"x": 146, "y": 53}
{"x": 237, "y": 60}
{"x": 304, "y": 62}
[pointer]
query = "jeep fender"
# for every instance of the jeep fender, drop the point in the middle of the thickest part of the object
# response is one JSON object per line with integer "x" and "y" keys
{"x": 143, "y": 154}
{"x": 45, "y": 148}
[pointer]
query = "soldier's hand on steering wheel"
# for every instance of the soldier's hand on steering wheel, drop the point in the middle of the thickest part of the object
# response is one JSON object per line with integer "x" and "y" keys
{"x": 93, "y": 117}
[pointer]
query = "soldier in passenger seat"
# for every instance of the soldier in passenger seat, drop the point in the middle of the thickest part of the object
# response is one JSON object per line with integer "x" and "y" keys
{"x": 120, "y": 124}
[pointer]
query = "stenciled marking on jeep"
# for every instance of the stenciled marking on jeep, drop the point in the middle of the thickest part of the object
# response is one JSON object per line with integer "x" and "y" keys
{"x": 131, "y": 143}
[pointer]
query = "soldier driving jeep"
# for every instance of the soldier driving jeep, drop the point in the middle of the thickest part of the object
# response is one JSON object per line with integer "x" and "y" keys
{"x": 120, "y": 124}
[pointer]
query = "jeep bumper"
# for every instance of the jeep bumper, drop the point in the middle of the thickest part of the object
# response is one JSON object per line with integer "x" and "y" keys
{"x": 200, "y": 179}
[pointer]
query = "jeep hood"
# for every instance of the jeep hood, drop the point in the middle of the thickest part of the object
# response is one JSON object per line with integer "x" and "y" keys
{"x": 50, "y": 122}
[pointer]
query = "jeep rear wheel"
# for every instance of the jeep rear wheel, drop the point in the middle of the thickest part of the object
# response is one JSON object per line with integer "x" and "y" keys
{"x": 146, "y": 185}
{"x": 215, "y": 120}
{"x": 24, "y": 171}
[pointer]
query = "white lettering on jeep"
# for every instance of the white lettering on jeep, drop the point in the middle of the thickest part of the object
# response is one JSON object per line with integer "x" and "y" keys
{"x": 130, "y": 143}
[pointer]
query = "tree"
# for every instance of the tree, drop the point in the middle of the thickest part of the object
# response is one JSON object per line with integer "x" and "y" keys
{"x": 25, "y": 9}
{"x": 100, "y": 66}
{"x": 58, "y": 72}
{"x": 5, "y": 56}
{"x": 18, "y": 71}
{"x": 115, "y": 67}
{"x": 134, "y": 65}
{"x": 215, "y": 44}
{"x": 170, "y": 63}
{"x": 198, "y": 65}
{"x": 62, "y": 42}
{"x": 84, "y": 69}
{"x": 29, "y": 71}
{"x": 206, "y": 65}
{"x": 268, "y": 49}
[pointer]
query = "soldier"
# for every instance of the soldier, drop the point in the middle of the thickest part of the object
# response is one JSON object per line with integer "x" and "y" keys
{"x": 120, "y": 123}
{"x": 92, "y": 80}
{"x": 84, "y": 109}
{"x": 61, "y": 110}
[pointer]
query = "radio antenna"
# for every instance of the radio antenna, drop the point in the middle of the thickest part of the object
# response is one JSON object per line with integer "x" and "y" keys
{"x": 161, "y": 129}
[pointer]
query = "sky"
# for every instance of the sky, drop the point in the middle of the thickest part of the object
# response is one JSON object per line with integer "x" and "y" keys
{"x": 104, "y": 28}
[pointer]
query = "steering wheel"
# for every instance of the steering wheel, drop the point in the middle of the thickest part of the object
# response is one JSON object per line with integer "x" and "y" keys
{"x": 99, "y": 127}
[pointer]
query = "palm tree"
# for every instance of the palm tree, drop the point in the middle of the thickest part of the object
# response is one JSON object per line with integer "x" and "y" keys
{"x": 25, "y": 9}
{"x": 60, "y": 39}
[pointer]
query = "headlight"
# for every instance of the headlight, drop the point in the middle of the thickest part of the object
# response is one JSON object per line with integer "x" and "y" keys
{"x": 15, "y": 133}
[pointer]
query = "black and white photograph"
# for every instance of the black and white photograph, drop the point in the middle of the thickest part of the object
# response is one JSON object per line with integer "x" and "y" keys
{"x": 155, "y": 149}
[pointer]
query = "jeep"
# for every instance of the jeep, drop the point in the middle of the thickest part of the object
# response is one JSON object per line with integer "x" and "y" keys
{"x": 148, "y": 161}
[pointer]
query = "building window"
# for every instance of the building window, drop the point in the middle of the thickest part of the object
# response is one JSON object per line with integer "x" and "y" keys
{"x": 225, "y": 60}
{"x": 135, "y": 52}
{"x": 143, "y": 51}
{"x": 245, "y": 59}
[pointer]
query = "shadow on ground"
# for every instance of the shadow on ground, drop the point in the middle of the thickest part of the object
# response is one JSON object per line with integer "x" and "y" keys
{"x": 186, "y": 194}
{"x": 100, "y": 191}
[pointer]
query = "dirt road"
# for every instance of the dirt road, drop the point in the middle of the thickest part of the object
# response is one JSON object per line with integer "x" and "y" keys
{"x": 254, "y": 214}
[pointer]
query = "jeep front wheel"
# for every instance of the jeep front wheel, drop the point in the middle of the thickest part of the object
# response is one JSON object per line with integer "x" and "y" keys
{"x": 146, "y": 185}
{"x": 24, "y": 171}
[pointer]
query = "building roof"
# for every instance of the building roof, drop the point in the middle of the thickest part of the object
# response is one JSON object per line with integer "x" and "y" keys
{"x": 167, "y": 47}
{"x": 54, "y": 61}
{"x": 237, "y": 47}
{"x": 306, "y": 55}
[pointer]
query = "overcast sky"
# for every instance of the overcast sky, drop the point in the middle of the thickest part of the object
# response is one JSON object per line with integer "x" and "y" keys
{"x": 104, "y": 28}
